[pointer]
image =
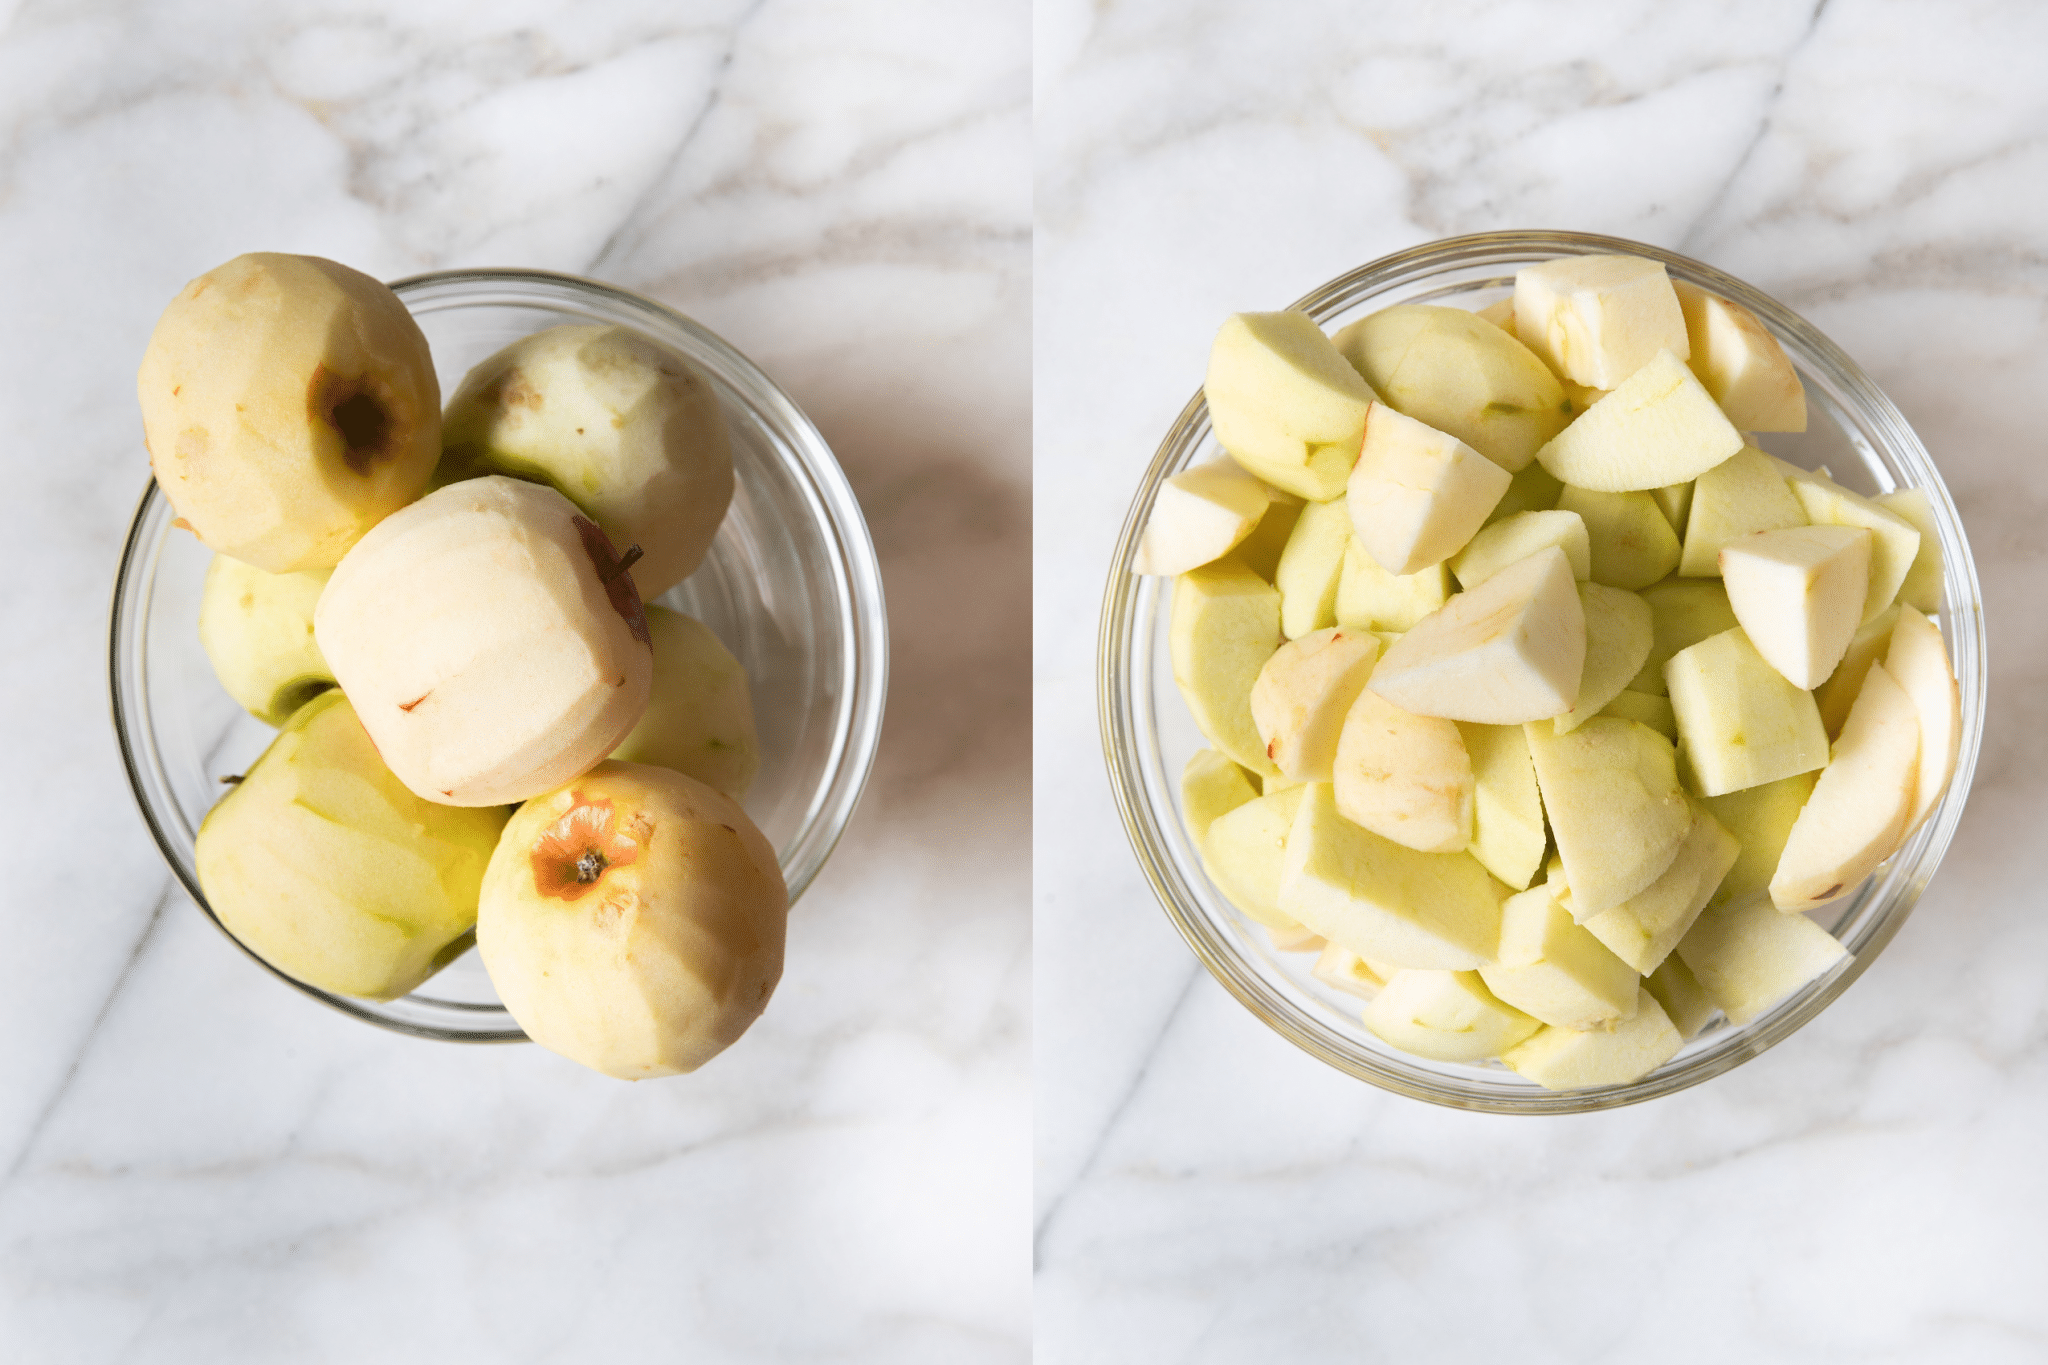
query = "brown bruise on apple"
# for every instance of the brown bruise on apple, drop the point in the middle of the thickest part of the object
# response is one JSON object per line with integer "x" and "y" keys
{"x": 358, "y": 413}
{"x": 571, "y": 856}
{"x": 618, "y": 582}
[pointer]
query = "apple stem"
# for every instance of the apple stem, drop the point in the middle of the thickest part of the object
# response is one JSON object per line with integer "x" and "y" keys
{"x": 626, "y": 561}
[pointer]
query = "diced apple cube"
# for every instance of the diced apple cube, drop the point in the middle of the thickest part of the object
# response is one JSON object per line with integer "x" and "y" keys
{"x": 1383, "y": 901}
{"x": 1404, "y": 777}
{"x": 1597, "y": 320}
{"x": 1446, "y": 1017}
{"x": 1643, "y": 929}
{"x": 1416, "y": 494}
{"x": 1681, "y": 615}
{"x": 1741, "y": 363}
{"x": 1211, "y": 785}
{"x": 1738, "y": 497}
{"x": 1285, "y": 403}
{"x": 1510, "y": 650}
{"x": 1896, "y": 543}
{"x": 1740, "y": 723}
{"x": 1303, "y": 694}
{"x": 1508, "y": 832}
{"x": 1611, "y": 791}
{"x": 1761, "y": 819}
{"x": 1631, "y": 543}
{"x": 1200, "y": 515}
{"x": 1684, "y": 1000}
{"x": 1569, "y": 1059}
{"x": 1674, "y": 500}
{"x": 1555, "y": 971}
{"x": 1660, "y": 427}
{"x": 1225, "y": 625}
{"x": 1644, "y": 709}
{"x": 1513, "y": 539}
{"x": 1748, "y": 957}
{"x": 1370, "y": 598}
{"x": 1798, "y": 595}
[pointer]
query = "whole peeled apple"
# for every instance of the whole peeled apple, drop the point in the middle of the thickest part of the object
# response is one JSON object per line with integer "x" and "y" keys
{"x": 700, "y": 718}
{"x": 289, "y": 405}
{"x": 633, "y": 921}
{"x": 327, "y": 868}
{"x": 625, "y": 429}
{"x": 492, "y": 642}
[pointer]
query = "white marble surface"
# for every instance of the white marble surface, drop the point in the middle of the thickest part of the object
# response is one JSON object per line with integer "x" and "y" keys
{"x": 199, "y": 1165}
{"x": 1871, "y": 1190}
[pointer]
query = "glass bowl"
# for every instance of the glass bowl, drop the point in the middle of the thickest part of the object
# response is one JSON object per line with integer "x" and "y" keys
{"x": 791, "y": 586}
{"x": 1148, "y": 734}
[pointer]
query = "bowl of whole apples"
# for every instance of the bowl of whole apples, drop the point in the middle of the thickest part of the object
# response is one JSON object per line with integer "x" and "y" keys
{"x": 496, "y": 654}
{"x": 1539, "y": 672}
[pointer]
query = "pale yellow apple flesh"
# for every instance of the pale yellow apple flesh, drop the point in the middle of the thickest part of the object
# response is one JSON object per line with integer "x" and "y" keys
{"x": 1798, "y": 595}
{"x": 1921, "y": 587}
{"x": 1285, "y": 403}
{"x": 1740, "y": 496}
{"x": 1243, "y": 853}
{"x": 1370, "y": 598}
{"x": 1404, "y": 777}
{"x": 1761, "y": 820}
{"x": 1610, "y": 790}
{"x": 1261, "y": 550}
{"x": 488, "y": 652}
{"x": 1660, "y": 427}
{"x": 1512, "y": 539}
{"x": 1445, "y": 1016}
{"x": 1748, "y": 957}
{"x": 1858, "y": 813}
{"x": 289, "y": 405}
{"x": 1618, "y": 637}
{"x": 257, "y": 630}
{"x": 1895, "y": 543}
{"x": 1341, "y": 969}
{"x": 1643, "y": 929}
{"x": 700, "y": 712}
{"x": 1417, "y": 495}
{"x": 1311, "y": 568}
{"x": 623, "y": 427}
{"x": 1630, "y": 541}
{"x": 1201, "y": 514}
{"x": 1684, "y": 1000}
{"x": 1225, "y": 625}
{"x": 1555, "y": 971}
{"x": 1303, "y": 694}
{"x": 1508, "y": 832}
{"x": 1741, "y": 363}
{"x": 1681, "y": 615}
{"x": 1596, "y": 320}
{"x": 1918, "y": 662}
{"x": 1571, "y": 1059}
{"x": 633, "y": 921}
{"x": 1838, "y": 693}
{"x": 1645, "y": 709}
{"x": 1740, "y": 722}
{"x": 1532, "y": 489}
{"x": 324, "y": 865}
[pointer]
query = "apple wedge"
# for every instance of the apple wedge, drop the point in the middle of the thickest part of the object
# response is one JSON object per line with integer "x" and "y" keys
{"x": 1630, "y": 541}
{"x": 1660, "y": 427}
{"x": 1555, "y": 971}
{"x": 1674, "y": 500}
{"x": 1921, "y": 587}
{"x": 1740, "y": 363}
{"x": 1761, "y": 820}
{"x": 1866, "y": 647}
{"x": 1740, "y": 723}
{"x": 1285, "y": 403}
{"x": 1381, "y": 900}
{"x": 1748, "y": 957}
{"x": 1201, "y": 515}
{"x": 1508, "y": 832}
{"x": 1261, "y": 550}
{"x": 1532, "y": 489}
{"x": 1459, "y": 374}
{"x": 1212, "y": 786}
{"x": 1892, "y": 551}
{"x": 1643, "y": 929}
{"x": 1303, "y": 694}
{"x": 1918, "y": 662}
{"x": 1445, "y": 1016}
{"x": 1225, "y": 625}
{"x": 1798, "y": 594}
{"x": 1417, "y": 495}
{"x": 1596, "y": 320}
{"x": 1684, "y": 1000}
{"x": 1370, "y": 598}
{"x": 1681, "y": 615}
{"x": 1513, "y": 539}
{"x": 1618, "y": 636}
{"x": 1857, "y": 815}
{"x": 1311, "y": 568}
{"x": 1510, "y": 650}
{"x": 1645, "y": 709}
{"x": 1738, "y": 497}
{"x": 1610, "y": 789}
{"x": 1571, "y": 1059}
{"x": 1244, "y": 851}
{"x": 1404, "y": 777}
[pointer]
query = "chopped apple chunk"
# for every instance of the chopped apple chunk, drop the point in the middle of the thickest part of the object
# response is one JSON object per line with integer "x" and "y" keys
{"x": 1857, "y": 815}
{"x": 1513, "y": 539}
{"x": 1512, "y": 649}
{"x": 1370, "y": 598}
{"x": 1643, "y": 929}
{"x": 1660, "y": 427}
{"x": 1212, "y": 786}
{"x": 1611, "y": 791}
{"x": 1285, "y": 403}
{"x": 1404, "y": 777}
{"x": 1798, "y": 594}
{"x": 1569, "y": 1059}
{"x": 1201, "y": 515}
{"x": 1918, "y": 661}
{"x": 1243, "y": 851}
{"x": 1446, "y": 1017}
{"x": 1596, "y": 320}
{"x": 1740, "y": 723}
{"x": 1740, "y": 496}
{"x": 1311, "y": 568}
{"x": 1417, "y": 495}
{"x": 1895, "y": 545}
{"x": 1225, "y": 625}
{"x": 1741, "y": 363}
{"x": 1631, "y": 542}
{"x": 1303, "y": 694}
{"x": 1508, "y": 833}
{"x": 1554, "y": 970}
{"x": 1618, "y": 637}
{"x": 1748, "y": 957}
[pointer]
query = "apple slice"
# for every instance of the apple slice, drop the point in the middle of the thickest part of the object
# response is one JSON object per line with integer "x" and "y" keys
{"x": 1660, "y": 427}
{"x": 1596, "y": 320}
{"x": 1921, "y": 587}
{"x": 1244, "y": 852}
{"x": 257, "y": 630}
{"x": 1555, "y": 971}
{"x": 1918, "y": 662}
{"x": 1449, "y": 369}
{"x": 1404, "y": 777}
{"x": 1370, "y": 598}
{"x": 1684, "y": 1000}
{"x": 1381, "y": 900}
{"x": 493, "y": 644}
{"x": 1212, "y": 786}
{"x": 1513, "y": 539}
{"x": 1508, "y": 833}
{"x": 1748, "y": 957}
{"x": 1798, "y": 594}
{"x": 1610, "y": 789}
{"x": 1681, "y": 615}
{"x": 1312, "y": 567}
{"x": 1761, "y": 819}
{"x": 1738, "y": 497}
{"x": 1510, "y": 650}
{"x": 289, "y": 405}
{"x": 1302, "y": 695}
{"x": 1225, "y": 625}
{"x": 1618, "y": 636}
{"x": 1741, "y": 363}
{"x": 1200, "y": 515}
{"x": 1416, "y": 494}
{"x": 1740, "y": 722}
{"x": 1571, "y": 1059}
{"x": 1896, "y": 543}
{"x": 1643, "y": 929}
{"x": 1857, "y": 815}
{"x": 1838, "y": 693}
{"x": 1631, "y": 541}
{"x": 1285, "y": 403}
{"x": 1445, "y": 1016}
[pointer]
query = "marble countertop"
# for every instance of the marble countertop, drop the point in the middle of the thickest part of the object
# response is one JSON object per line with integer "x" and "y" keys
{"x": 199, "y": 1164}
{"x": 1871, "y": 1190}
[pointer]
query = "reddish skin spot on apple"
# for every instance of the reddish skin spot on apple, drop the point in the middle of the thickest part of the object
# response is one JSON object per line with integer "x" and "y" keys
{"x": 358, "y": 415}
{"x": 618, "y": 582}
{"x": 408, "y": 705}
{"x": 572, "y": 855}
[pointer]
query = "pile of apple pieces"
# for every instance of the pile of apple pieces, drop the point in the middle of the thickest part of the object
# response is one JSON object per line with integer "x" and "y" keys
{"x": 434, "y": 658}
{"x": 1543, "y": 700}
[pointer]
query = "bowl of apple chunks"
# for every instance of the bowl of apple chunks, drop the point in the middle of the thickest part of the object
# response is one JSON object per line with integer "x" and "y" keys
{"x": 1539, "y": 672}
{"x": 780, "y": 616}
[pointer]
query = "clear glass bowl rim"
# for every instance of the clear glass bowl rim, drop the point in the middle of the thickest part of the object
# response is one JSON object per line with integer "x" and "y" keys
{"x": 856, "y": 580}
{"x": 1899, "y": 885}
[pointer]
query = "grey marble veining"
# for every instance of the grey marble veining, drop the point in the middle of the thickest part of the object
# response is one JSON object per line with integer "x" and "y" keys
{"x": 201, "y": 1165}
